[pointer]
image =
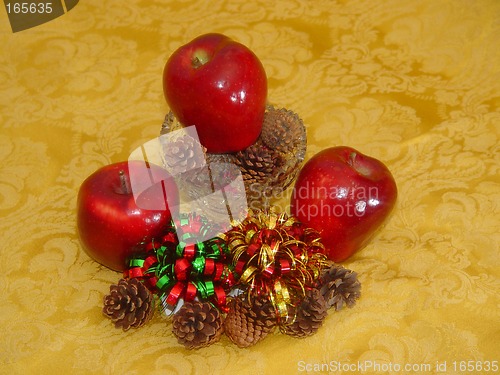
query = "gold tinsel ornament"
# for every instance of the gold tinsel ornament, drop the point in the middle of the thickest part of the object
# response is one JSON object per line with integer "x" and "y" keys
{"x": 276, "y": 256}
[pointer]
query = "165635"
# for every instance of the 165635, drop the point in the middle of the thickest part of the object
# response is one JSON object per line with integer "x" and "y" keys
{"x": 29, "y": 8}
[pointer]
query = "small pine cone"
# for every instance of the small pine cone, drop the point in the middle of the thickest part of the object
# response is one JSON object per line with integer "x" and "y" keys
{"x": 183, "y": 154}
{"x": 340, "y": 287}
{"x": 282, "y": 130}
{"x": 248, "y": 322}
{"x": 197, "y": 324}
{"x": 257, "y": 163}
{"x": 271, "y": 164}
{"x": 309, "y": 315}
{"x": 129, "y": 304}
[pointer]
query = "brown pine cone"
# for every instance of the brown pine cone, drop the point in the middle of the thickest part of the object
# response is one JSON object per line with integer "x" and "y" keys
{"x": 129, "y": 304}
{"x": 257, "y": 162}
{"x": 270, "y": 165}
{"x": 309, "y": 315}
{"x": 197, "y": 324}
{"x": 340, "y": 287}
{"x": 248, "y": 322}
{"x": 283, "y": 130}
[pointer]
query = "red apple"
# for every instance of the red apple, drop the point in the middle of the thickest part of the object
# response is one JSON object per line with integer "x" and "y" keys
{"x": 346, "y": 196}
{"x": 112, "y": 223}
{"x": 220, "y": 86}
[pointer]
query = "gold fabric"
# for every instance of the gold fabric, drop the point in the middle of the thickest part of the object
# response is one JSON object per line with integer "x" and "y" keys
{"x": 413, "y": 83}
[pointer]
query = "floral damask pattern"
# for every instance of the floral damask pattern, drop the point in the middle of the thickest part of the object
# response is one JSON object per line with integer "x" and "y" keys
{"x": 414, "y": 83}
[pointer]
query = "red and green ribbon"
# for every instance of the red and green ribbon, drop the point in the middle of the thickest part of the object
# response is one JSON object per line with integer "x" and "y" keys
{"x": 176, "y": 268}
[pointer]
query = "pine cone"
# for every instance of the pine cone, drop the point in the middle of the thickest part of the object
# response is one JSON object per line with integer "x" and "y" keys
{"x": 129, "y": 304}
{"x": 248, "y": 322}
{"x": 257, "y": 162}
{"x": 272, "y": 162}
{"x": 340, "y": 287}
{"x": 197, "y": 324}
{"x": 183, "y": 154}
{"x": 309, "y": 315}
{"x": 282, "y": 130}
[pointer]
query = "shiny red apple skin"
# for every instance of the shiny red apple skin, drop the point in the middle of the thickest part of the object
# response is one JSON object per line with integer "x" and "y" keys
{"x": 346, "y": 196}
{"x": 224, "y": 96}
{"x": 110, "y": 224}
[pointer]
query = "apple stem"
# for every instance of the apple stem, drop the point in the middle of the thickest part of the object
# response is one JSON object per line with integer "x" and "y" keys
{"x": 352, "y": 158}
{"x": 125, "y": 183}
{"x": 200, "y": 57}
{"x": 196, "y": 62}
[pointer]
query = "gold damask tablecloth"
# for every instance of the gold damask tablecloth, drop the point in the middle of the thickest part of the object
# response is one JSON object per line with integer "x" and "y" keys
{"x": 413, "y": 83}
